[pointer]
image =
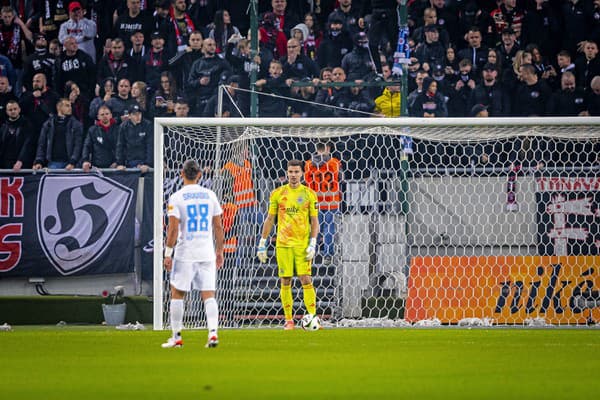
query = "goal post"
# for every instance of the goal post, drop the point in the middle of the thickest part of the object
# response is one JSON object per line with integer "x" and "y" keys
{"x": 442, "y": 219}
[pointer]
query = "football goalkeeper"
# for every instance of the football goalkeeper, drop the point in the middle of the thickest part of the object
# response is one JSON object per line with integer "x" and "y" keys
{"x": 295, "y": 208}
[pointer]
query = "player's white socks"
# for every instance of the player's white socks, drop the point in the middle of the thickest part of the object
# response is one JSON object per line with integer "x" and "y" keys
{"x": 176, "y": 316}
{"x": 212, "y": 314}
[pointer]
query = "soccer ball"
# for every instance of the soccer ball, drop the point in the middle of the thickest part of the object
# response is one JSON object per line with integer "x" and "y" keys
{"x": 310, "y": 322}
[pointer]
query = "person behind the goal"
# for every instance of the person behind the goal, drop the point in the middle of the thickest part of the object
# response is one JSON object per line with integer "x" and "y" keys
{"x": 194, "y": 217}
{"x": 294, "y": 205}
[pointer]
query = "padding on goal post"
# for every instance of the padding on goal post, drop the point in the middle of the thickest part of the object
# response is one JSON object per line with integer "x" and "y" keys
{"x": 440, "y": 221}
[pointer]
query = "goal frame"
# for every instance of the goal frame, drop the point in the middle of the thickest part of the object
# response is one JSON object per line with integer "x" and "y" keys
{"x": 160, "y": 123}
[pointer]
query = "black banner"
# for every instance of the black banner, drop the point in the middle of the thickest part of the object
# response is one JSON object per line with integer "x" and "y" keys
{"x": 568, "y": 215}
{"x": 147, "y": 228}
{"x": 67, "y": 224}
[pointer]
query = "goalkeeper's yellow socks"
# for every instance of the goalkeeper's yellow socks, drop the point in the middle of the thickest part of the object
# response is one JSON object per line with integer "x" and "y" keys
{"x": 287, "y": 301}
{"x": 310, "y": 298}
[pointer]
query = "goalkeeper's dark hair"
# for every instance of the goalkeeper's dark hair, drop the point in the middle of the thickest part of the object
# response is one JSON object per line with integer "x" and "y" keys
{"x": 191, "y": 169}
{"x": 295, "y": 163}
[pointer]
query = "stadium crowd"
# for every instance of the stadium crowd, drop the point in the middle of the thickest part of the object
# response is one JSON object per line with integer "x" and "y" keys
{"x": 80, "y": 80}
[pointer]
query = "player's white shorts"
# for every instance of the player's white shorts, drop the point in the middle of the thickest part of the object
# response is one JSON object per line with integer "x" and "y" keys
{"x": 187, "y": 275}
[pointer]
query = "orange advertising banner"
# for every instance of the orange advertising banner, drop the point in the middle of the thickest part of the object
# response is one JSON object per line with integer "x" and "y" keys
{"x": 507, "y": 289}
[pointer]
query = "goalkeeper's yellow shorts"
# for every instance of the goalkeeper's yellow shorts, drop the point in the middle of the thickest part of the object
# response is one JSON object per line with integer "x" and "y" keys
{"x": 292, "y": 259}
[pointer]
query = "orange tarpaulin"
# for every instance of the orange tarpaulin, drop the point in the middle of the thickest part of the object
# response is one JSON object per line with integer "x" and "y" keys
{"x": 508, "y": 289}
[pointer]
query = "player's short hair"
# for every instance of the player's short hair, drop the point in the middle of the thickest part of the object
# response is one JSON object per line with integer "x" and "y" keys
{"x": 295, "y": 163}
{"x": 191, "y": 169}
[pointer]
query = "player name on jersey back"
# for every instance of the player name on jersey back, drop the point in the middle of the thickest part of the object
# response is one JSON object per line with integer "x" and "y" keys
{"x": 194, "y": 206}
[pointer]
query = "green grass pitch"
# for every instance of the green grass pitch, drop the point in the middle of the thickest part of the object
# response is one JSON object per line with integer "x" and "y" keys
{"x": 448, "y": 363}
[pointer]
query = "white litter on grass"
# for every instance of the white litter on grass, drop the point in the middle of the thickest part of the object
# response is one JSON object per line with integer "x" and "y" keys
{"x": 367, "y": 323}
{"x": 476, "y": 322}
{"x": 131, "y": 327}
{"x": 538, "y": 321}
{"x": 428, "y": 322}
{"x": 5, "y": 327}
{"x": 61, "y": 323}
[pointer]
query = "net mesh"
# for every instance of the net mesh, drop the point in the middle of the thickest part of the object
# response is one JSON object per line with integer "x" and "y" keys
{"x": 468, "y": 221}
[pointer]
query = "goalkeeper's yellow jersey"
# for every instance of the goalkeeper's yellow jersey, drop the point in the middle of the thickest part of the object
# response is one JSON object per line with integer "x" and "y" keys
{"x": 293, "y": 208}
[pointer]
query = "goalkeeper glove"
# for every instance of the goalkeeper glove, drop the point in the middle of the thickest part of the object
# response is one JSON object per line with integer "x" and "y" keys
{"x": 261, "y": 253}
{"x": 311, "y": 249}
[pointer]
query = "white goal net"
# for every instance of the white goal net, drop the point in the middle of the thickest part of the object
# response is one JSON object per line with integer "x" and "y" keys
{"x": 438, "y": 220}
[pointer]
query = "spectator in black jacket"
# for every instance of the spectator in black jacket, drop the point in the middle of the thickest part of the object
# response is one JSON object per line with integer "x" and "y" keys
{"x": 119, "y": 104}
{"x": 39, "y": 103}
{"x": 575, "y": 14}
{"x": 447, "y": 17}
{"x": 134, "y": 146}
{"x": 117, "y": 65}
{"x": 162, "y": 23}
{"x": 335, "y": 45}
{"x": 104, "y": 92}
{"x": 40, "y": 61}
{"x": 593, "y": 98}
{"x": 297, "y": 65}
{"x": 181, "y": 64}
{"x": 101, "y": 11}
{"x": 588, "y": 65}
{"x": 461, "y": 88}
{"x": 569, "y": 101}
{"x": 16, "y": 139}
{"x": 333, "y": 96}
{"x": 508, "y": 48}
{"x": 155, "y": 61}
{"x": 532, "y": 94}
{"x": 475, "y": 51}
{"x": 491, "y": 94}
{"x": 77, "y": 66}
{"x": 135, "y": 19}
{"x": 360, "y": 63}
{"x": 6, "y": 94}
{"x": 349, "y": 15}
{"x": 430, "y": 18}
{"x": 275, "y": 84}
{"x": 205, "y": 75}
{"x": 60, "y": 140}
{"x": 383, "y": 29}
{"x": 431, "y": 51}
{"x": 162, "y": 104}
{"x": 357, "y": 103}
{"x": 138, "y": 49}
{"x": 430, "y": 103}
{"x": 100, "y": 144}
{"x": 541, "y": 25}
